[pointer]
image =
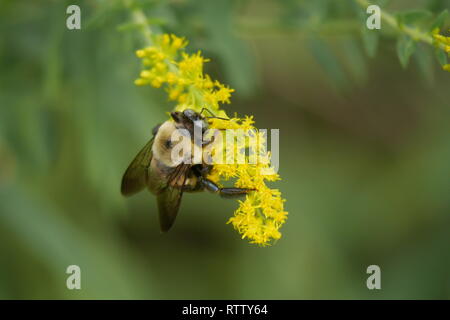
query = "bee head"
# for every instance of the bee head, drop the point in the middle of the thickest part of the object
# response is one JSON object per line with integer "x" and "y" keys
{"x": 189, "y": 119}
{"x": 176, "y": 116}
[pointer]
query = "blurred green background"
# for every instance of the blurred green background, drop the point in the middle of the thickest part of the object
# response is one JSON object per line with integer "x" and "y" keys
{"x": 365, "y": 154}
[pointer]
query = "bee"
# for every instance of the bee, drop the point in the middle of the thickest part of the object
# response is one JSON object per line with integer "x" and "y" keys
{"x": 154, "y": 168}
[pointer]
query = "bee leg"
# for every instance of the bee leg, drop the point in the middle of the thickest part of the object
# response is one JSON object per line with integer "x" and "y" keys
{"x": 233, "y": 192}
{"x": 196, "y": 188}
{"x": 205, "y": 170}
{"x": 223, "y": 192}
{"x": 207, "y": 142}
{"x": 201, "y": 170}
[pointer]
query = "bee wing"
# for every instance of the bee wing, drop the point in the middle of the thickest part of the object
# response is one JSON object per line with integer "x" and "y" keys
{"x": 168, "y": 204}
{"x": 169, "y": 200}
{"x": 135, "y": 177}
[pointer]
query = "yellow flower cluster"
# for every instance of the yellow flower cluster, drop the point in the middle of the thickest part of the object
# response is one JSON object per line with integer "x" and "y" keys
{"x": 260, "y": 216}
{"x": 443, "y": 41}
{"x": 182, "y": 74}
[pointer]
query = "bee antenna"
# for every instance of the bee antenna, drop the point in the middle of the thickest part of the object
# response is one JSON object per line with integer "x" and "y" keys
{"x": 213, "y": 116}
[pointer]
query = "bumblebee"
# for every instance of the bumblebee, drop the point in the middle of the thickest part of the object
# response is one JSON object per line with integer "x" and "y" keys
{"x": 154, "y": 167}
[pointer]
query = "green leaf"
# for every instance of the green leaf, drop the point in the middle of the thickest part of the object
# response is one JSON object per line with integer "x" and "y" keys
{"x": 355, "y": 60}
{"x": 424, "y": 59}
{"x": 405, "y": 48}
{"x": 134, "y": 26}
{"x": 328, "y": 61}
{"x": 413, "y": 16}
{"x": 441, "y": 56}
{"x": 369, "y": 37}
{"x": 440, "y": 20}
{"x": 370, "y": 41}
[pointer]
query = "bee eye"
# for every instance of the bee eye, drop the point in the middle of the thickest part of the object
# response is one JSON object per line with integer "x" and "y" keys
{"x": 175, "y": 116}
{"x": 190, "y": 114}
{"x": 168, "y": 144}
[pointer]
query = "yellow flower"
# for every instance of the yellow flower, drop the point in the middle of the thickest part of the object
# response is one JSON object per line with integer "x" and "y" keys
{"x": 443, "y": 41}
{"x": 260, "y": 216}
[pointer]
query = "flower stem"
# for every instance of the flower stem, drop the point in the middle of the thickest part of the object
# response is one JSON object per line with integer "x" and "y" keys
{"x": 414, "y": 33}
{"x": 140, "y": 19}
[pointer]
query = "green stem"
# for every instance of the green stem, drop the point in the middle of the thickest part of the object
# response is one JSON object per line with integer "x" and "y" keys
{"x": 140, "y": 19}
{"x": 260, "y": 213}
{"x": 259, "y": 27}
{"x": 414, "y": 33}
